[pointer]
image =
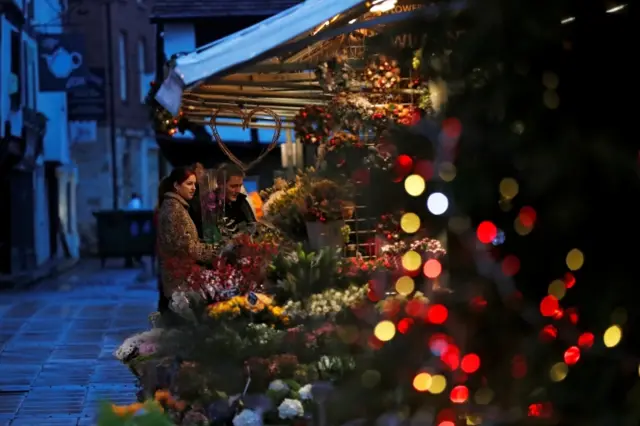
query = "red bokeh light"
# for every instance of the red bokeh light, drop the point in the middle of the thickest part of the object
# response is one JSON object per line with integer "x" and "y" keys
{"x": 437, "y": 314}
{"x": 424, "y": 168}
{"x": 404, "y": 325}
{"x": 452, "y": 127}
{"x": 527, "y": 216}
{"x": 403, "y": 165}
{"x": 572, "y": 314}
{"x": 432, "y": 268}
{"x": 486, "y": 232}
{"x": 518, "y": 366}
{"x": 569, "y": 280}
{"x": 510, "y": 265}
{"x": 586, "y": 340}
{"x": 451, "y": 357}
{"x": 459, "y": 394}
{"x": 446, "y": 415}
{"x": 549, "y": 306}
{"x": 572, "y": 355}
{"x": 548, "y": 333}
{"x": 470, "y": 363}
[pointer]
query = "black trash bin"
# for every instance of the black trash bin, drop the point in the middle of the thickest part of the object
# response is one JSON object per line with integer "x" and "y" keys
{"x": 126, "y": 234}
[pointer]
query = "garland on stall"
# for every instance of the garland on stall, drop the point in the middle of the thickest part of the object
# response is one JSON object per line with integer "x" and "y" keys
{"x": 313, "y": 124}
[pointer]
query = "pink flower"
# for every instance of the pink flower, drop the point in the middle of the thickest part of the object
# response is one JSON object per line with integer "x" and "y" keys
{"x": 147, "y": 348}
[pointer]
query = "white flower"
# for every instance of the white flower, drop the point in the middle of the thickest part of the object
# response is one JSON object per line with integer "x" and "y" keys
{"x": 290, "y": 408}
{"x": 278, "y": 386}
{"x": 305, "y": 393}
{"x": 247, "y": 418}
{"x": 134, "y": 342}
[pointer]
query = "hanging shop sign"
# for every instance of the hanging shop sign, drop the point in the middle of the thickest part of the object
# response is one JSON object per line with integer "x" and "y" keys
{"x": 86, "y": 100}
{"x": 60, "y": 58}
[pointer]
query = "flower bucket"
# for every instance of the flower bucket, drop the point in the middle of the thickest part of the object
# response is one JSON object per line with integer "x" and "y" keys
{"x": 325, "y": 234}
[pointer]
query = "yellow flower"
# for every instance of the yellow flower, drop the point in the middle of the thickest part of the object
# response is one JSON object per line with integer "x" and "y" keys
{"x": 120, "y": 410}
{"x": 277, "y": 310}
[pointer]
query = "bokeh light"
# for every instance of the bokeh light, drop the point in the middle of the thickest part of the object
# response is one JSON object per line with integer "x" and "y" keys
{"x": 422, "y": 382}
{"x": 486, "y": 232}
{"x": 510, "y": 265}
{"x": 612, "y": 336}
{"x": 410, "y": 223}
{"x": 575, "y": 259}
{"x": 438, "y": 384}
{"x": 447, "y": 171}
{"x": 559, "y": 372}
{"x": 459, "y": 224}
{"x": 437, "y": 314}
{"x": 432, "y": 268}
{"x": 483, "y": 396}
{"x": 509, "y": 188}
{"x": 520, "y": 228}
{"x": 414, "y": 185}
{"x": 403, "y": 165}
{"x": 557, "y": 289}
{"x": 384, "y": 331}
{"x": 405, "y": 285}
{"x": 619, "y": 316}
{"x": 586, "y": 340}
{"x": 527, "y": 216}
{"x": 572, "y": 355}
{"x": 459, "y": 394}
{"x": 437, "y": 203}
{"x": 470, "y": 363}
{"x": 411, "y": 261}
{"x": 549, "y": 306}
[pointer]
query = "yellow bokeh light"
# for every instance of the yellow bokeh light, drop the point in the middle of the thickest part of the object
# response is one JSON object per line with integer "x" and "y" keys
{"x": 410, "y": 223}
{"x": 509, "y": 188}
{"x": 619, "y": 316}
{"x": 385, "y": 330}
{"x": 505, "y": 205}
{"x": 422, "y": 382}
{"x": 483, "y": 396}
{"x": 550, "y": 99}
{"x": 612, "y": 336}
{"x": 414, "y": 185}
{"x": 447, "y": 172}
{"x": 550, "y": 80}
{"x": 405, "y": 285}
{"x": 558, "y": 289}
{"x": 575, "y": 259}
{"x": 473, "y": 420}
{"x": 459, "y": 224}
{"x": 521, "y": 229}
{"x": 438, "y": 384}
{"x": 411, "y": 261}
{"x": 559, "y": 372}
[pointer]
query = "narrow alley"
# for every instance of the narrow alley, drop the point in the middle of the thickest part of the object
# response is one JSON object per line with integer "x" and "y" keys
{"x": 57, "y": 340}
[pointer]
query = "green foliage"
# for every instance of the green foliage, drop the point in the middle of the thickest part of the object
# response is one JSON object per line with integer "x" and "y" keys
{"x": 299, "y": 274}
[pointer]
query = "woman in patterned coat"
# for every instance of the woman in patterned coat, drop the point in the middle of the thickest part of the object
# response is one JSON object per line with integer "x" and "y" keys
{"x": 179, "y": 247}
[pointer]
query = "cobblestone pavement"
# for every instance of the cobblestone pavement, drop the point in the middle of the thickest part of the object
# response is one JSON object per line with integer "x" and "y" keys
{"x": 57, "y": 340}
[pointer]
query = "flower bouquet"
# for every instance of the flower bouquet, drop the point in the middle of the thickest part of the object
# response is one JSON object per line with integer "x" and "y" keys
{"x": 324, "y": 212}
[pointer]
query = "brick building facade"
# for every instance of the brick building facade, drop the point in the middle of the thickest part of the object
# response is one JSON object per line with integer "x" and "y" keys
{"x": 132, "y": 56}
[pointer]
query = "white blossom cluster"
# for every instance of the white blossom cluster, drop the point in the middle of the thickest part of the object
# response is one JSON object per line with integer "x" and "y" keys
{"x": 328, "y": 302}
{"x": 263, "y": 333}
{"x": 290, "y": 409}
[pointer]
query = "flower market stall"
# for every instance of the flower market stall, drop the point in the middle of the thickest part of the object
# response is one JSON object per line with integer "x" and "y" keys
{"x": 295, "y": 323}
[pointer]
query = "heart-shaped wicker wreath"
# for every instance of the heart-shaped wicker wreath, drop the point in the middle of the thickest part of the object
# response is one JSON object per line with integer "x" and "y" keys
{"x": 246, "y": 120}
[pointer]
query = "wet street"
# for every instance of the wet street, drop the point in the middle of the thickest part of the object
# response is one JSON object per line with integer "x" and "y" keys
{"x": 56, "y": 343}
